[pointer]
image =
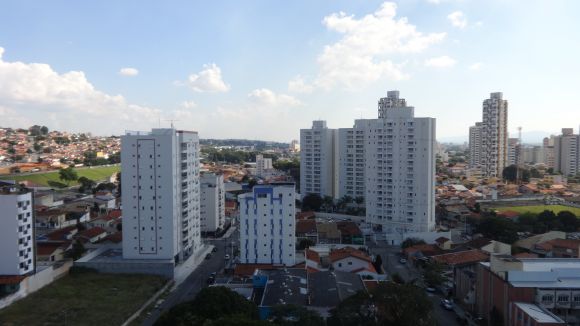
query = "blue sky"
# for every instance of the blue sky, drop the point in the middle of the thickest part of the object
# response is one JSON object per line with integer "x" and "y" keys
{"x": 265, "y": 69}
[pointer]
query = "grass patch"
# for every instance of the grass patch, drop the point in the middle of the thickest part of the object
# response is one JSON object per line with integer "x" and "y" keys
{"x": 540, "y": 208}
{"x": 84, "y": 299}
{"x": 45, "y": 179}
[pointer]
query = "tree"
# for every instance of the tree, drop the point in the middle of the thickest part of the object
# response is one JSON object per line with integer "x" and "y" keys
{"x": 433, "y": 274}
{"x": 549, "y": 220}
{"x": 378, "y": 264}
{"x": 477, "y": 208}
{"x": 44, "y": 130}
{"x": 77, "y": 251}
{"x": 67, "y": 175}
{"x": 396, "y": 277}
{"x": 328, "y": 203}
{"x": 210, "y": 304}
{"x": 388, "y": 304}
{"x": 312, "y": 202}
{"x": 289, "y": 315}
{"x": 409, "y": 242}
{"x": 498, "y": 228}
{"x": 305, "y": 243}
{"x": 510, "y": 173}
{"x": 569, "y": 221}
{"x": 86, "y": 184}
{"x": 359, "y": 200}
{"x": 252, "y": 183}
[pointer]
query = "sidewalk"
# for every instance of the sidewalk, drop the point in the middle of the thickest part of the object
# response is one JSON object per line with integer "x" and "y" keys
{"x": 182, "y": 271}
{"x": 227, "y": 234}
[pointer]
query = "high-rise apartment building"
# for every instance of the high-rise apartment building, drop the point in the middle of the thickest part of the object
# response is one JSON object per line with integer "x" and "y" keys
{"x": 263, "y": 165}
{"x": 267, "y": 225}
{"x": 318, "y": 160}
{"x": 567, "y": 152}
{"x": 494, "y": 136}
{"x": 513, "y": 151}
{"x": 475, "y": 145}
{"x": 351, "y": 161}
{"x": 161, "y": 213}
{"x": 548, "y": 145}
{"x": 400, "y": 168}
{"x": 212, "y": 207}
{"x": 17, "y": 256}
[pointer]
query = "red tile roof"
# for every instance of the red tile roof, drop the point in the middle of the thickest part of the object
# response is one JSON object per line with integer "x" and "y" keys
{"x": 305, "y": 226}
{"x": 115, "y": 214}
{"x": 92, "y": 232}
{"x": 11, "y": 279}
{"x": 248, "y": 270}
{"x": 312, "y": 255}
{"x": 348, "y": 228}
{"x": 369, "y": 268}
{"x": 339, "y": 254}
{"x": 559, "y": 243}
{"x": 525, "y": 255}
{"x": 462, "y": 257}
{"x": 48, "y": 248}
{"x": 426, "y": 249}
{"x": 305, "y": 215}
{"x": 61, "y": 234}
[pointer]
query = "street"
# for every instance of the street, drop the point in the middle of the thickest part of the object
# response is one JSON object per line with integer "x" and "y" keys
{"x": 196, "y": 280}
{"x": 391, "y": 264}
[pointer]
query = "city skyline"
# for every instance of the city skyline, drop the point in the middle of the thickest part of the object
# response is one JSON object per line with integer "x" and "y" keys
{"x": 227, "y": 70}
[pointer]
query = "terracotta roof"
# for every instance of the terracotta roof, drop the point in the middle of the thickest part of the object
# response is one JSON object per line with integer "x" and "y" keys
{"x": 559, "y": 243}
{"x": 462, "y": 257}
{"x": 116, "y": 213}
{"x": 248, "y": 270}
{"x": 426, "y": 249}
{"x": 349, "y": 228}
{"x": 369, "y": 268}
{"x": 370, "y": 284}
{"x": 48, "y": 248}
{"x": 339, "y": 254}
{"x": 11, "y": 279}
{"x": 305, "y": 226}
{"x": 312, "y": 255}
{"x": 305, "y": 215}
{"x": 61, "y": 233}
{"x": 92, "y": 232}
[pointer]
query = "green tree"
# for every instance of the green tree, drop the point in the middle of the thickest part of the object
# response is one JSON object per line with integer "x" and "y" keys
{"x": 77, "y": 251}
{"x": 328, "y": 203}
{"x": 498, "y": 228}
{"x": 305, "y": 243}
{"x": 44, "y": 130}
{"x": 568, "y": 220}
{"x": 510, "y": 173}
{"x": 293, "y": 315}
{"x": 388, "y": 304}
{"x": 312, "y": 202}
{"x": 68, "y": 175}
{"x": 86, "y": 184}
{"x": 378, "y": 264}
{"x": 409, "y": 242}
{"x": 210, "y": 304}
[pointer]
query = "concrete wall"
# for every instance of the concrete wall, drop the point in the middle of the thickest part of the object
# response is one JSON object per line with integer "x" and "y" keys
{"x": 131, "y": 267}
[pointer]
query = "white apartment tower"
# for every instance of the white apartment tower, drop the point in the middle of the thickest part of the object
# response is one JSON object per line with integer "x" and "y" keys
{"x": 267, "y": 227}
{"x": 17, "y": 256}
{"x": 351, "y": 161}
{"x": 318, "y": 160}
{"x": 475, "y": 145}
{"x": 567, "y": 152}
{"x": 494, "y": 136}
{"x": 399, "y": 153}
{"x": 263, "y": 165}
{"x": 161, "y": 213}
{"x": 212, "y": 208}
{"x": 514, "y": 151}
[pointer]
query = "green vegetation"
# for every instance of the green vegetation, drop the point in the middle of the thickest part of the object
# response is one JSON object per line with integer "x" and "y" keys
{"x": 540, "y": 208}
{"x": 95, "y": 173}
{"x": 83, "y": 299}
{"x": 388, "y": 304}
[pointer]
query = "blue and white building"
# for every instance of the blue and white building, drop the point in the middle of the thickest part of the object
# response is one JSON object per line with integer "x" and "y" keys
{"x": 267, "y": 225}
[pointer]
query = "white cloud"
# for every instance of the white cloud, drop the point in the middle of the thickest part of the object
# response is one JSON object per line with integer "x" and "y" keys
{"x": 479, "y": 24}
{"x": 188, "y": 104}
{"x": 476, "y": 66}
{"x": 265, "y": 96}
{"x": 66, "y": 101}
{"x": 298, "y": 85}
{"x": 364, "y": 54}
{"x": 129, "y": 72}
{"x": 208, "y": 80}
{"x": 434, "y": 1}
{"x": 457, "y": 19}
{"x": 440, "y": 62}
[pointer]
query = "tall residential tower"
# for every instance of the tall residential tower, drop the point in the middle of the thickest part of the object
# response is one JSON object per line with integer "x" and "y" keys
{"x": 318, "y": 160}
{"x": 161, "y": 201}
{"x": 494, "y": 136}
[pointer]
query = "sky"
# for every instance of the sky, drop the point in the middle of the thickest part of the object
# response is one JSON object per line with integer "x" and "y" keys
{"x": 264, "y": 69}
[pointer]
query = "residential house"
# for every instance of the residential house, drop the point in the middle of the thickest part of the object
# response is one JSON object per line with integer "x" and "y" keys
{"x": 92, "y": 235}
{"x": 557, "y": 248}
{"x": 328, "y": 233}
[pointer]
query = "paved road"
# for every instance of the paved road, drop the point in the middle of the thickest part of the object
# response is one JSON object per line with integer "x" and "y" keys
{"x": 196, "y": 281}
{"x": 391, "y": 264}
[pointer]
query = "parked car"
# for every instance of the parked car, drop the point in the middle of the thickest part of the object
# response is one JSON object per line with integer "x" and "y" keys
{"x": 215, "y": 249}
{"x": 227, "y": 257}
{"x": 448, "y": 305}
{"x": 208, "y": 256}
{"x": 430, "y": 289}
{"x": 402, "y": 261}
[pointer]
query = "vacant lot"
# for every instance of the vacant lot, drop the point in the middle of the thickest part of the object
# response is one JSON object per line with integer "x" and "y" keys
{"x": 95, "y": 173}
{"x": 83, "y": 299}
{"x": 540, "y": 208}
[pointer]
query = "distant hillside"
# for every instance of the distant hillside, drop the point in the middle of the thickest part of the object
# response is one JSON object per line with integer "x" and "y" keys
{"x": 259, "y": 144}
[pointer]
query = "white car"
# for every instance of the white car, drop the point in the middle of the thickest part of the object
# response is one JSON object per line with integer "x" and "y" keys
{"x": 402, "y": 261}
{"x": 227, "y": 257}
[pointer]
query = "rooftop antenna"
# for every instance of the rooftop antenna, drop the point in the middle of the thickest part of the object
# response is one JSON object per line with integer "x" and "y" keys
{"x": 172, "y": 121}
